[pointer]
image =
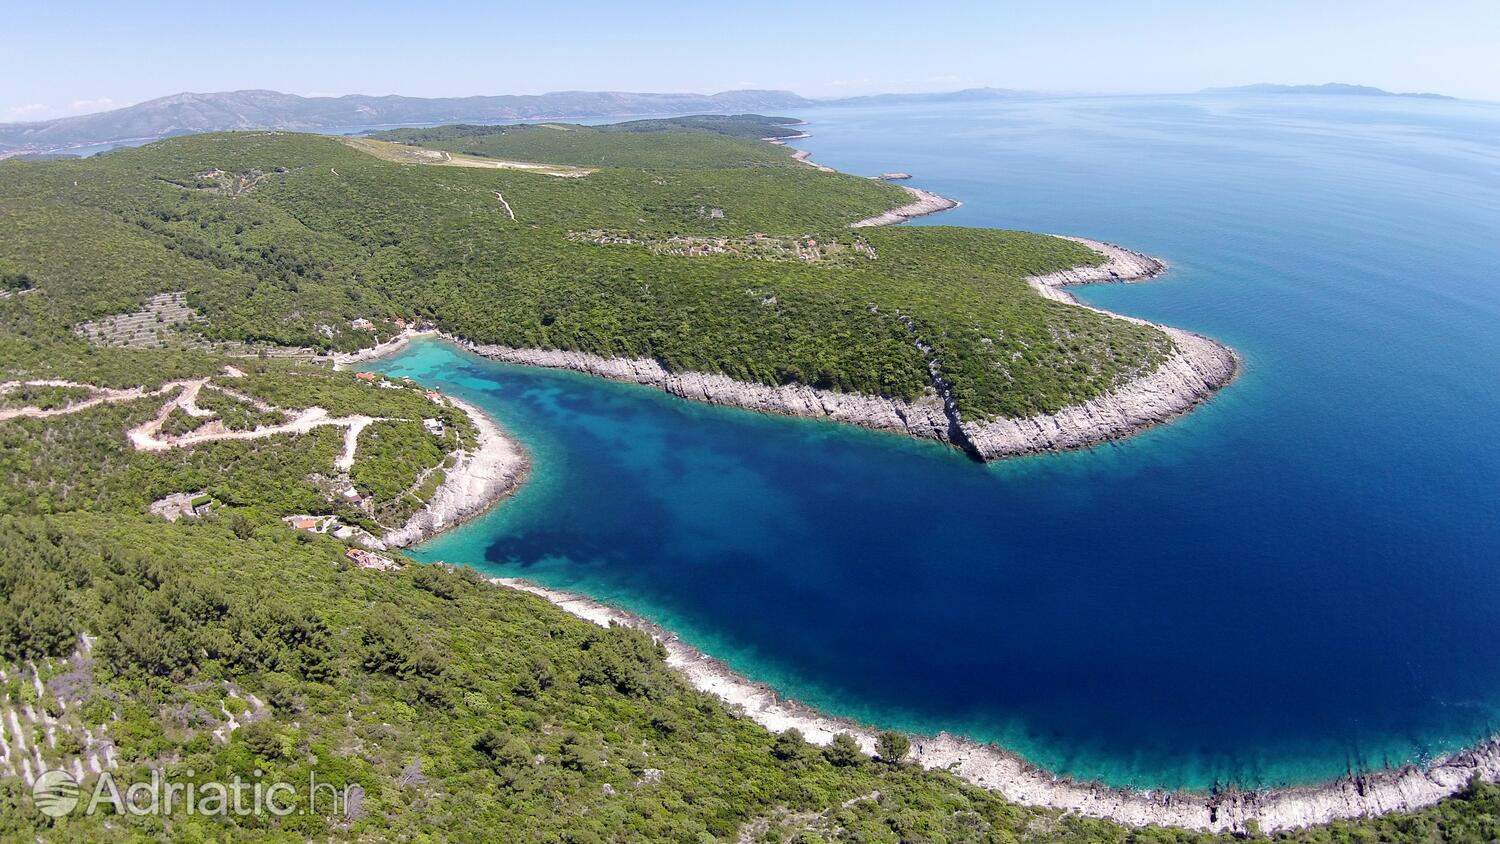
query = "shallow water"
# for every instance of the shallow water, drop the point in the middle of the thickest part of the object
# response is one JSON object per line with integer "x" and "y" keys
{"x": 1300, "y": 578}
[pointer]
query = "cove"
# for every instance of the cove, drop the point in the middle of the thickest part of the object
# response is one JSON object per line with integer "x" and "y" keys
{"x": 1297, "y": 580}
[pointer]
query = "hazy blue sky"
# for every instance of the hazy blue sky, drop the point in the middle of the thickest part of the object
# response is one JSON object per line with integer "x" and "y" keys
{"x": 65, "y": 58}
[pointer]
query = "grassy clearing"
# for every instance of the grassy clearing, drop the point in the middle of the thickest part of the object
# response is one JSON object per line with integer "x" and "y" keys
{"x": 402, "y": 154}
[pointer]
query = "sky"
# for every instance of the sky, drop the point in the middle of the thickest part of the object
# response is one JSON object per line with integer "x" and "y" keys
{"x": 58, "y": 59}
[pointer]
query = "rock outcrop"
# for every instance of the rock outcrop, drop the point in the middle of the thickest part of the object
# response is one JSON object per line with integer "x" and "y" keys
{"x": 1197, "y": 368}
{"x": 926, "y": 202}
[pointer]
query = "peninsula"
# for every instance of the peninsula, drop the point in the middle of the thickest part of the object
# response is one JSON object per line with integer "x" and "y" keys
{"x": 202, "y": 514}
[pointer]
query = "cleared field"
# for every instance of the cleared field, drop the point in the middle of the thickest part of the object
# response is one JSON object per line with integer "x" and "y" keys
{"x": 403, "y": 154}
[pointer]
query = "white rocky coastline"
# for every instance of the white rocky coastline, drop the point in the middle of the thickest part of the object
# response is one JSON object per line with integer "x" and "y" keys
{"x": 1405, "y": 789}
{"x": 1196, "y": 369}
{"x": 805, "y": 157}
{"x": 921, "y": 419}
{"x": 924, "y": 203}
{"x": 477, "y": 481}
{"x": 479, "y": 478}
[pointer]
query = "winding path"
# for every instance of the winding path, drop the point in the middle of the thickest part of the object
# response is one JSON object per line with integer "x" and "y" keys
{"x": 147, "y": 436}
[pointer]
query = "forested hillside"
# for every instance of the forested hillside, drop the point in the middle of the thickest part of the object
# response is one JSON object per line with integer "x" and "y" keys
{"x": 160, "y": 314}
{"x": 287, "y": 239}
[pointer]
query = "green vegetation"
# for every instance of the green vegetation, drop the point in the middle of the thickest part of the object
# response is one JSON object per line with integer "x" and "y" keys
{"x": 752, "y": 126}
{"x": 892, "y": 747}
{"x": 80, "y": 461}
{"x": 179, "y": 422}
{"x": 396, "y": 457}
{"x": 464, "y": 710}
{"x": 237, "y": 414}
{"x": 44, "y": 396}
{"x": 316, "y": 235}
{"x": 673, "y": 143}
{"x": 14, "y": 282}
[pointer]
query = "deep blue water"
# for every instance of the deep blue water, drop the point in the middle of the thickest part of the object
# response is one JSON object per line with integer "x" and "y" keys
{"x": 1300, "y": 578}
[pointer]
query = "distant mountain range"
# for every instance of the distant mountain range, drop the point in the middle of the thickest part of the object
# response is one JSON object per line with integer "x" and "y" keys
{"x": 187, "y": 113}
{"x": 1338, "y": 88}
{"x": 182, "y": 114}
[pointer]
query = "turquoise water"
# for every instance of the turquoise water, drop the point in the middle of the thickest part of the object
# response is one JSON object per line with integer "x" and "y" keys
{"x": 1300, "y": 578}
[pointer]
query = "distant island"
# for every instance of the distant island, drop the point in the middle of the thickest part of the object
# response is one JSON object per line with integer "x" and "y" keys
{"x": 205, "y": 507}
{"x": 195, "y": 113}
{"x": 1328, "y": 88}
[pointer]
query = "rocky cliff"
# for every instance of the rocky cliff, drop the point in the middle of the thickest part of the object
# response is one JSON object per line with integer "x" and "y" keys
{"x": 1197, "y": 367}
{"x": 924, "y": 419}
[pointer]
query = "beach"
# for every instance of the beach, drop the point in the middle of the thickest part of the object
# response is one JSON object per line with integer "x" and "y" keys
{"x": 479, "y": 478}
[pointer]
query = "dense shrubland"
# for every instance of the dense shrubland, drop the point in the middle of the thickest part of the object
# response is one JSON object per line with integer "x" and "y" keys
{"x": 328, "y": 235}
{"x": 465, "y": 711}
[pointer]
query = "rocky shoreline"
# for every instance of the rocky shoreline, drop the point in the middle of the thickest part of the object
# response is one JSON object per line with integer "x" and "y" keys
{"x": 478, "y": 480}
{"x": 927, "y": 421}
{"x": 1197, "y": 368}
{"x": 992, "y": 767}
{"x": 805, "y": 157}
{"x": 924, "y": 203}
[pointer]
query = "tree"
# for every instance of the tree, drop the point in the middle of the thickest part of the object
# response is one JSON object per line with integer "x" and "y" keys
{"x": 575, "y": 756}
{"x": 243, "y": 527}
{"x": 844, "y": 752}
{"x": 438, "y": 580}
{"x": 892, "y": 746}
{"x": 789, "y": 745}
{"x": 262, "y": 739}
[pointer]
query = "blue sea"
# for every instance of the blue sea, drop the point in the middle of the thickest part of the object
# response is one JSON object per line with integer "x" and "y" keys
{"x": 1297, "y": 580}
